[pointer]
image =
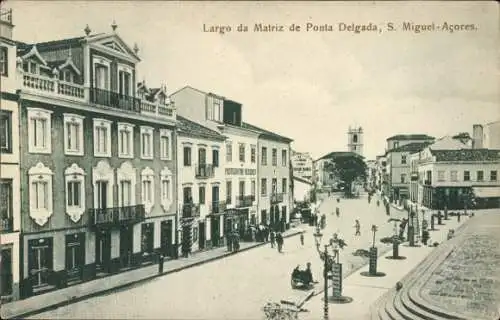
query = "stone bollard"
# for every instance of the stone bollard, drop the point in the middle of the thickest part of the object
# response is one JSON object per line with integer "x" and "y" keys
{"x": 432, "y": 222}
{"x": 411, "y": 236}
{"x": 161, "y": 259}
{"x": 395, "y": 249}
{"x": 372, "y": 268}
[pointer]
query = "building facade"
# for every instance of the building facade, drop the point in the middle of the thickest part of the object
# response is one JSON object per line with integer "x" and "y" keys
{"x": 355, "y": 140}
{"x": 275, "y": 199}
{"x": 10, "y": 179}
{"x": 302, "y": 165}
{"x": 486, "y": 136}
{"x": 201, "y": 185}
{"x": 98, "y": 159}
{"x": 457, "y": 179}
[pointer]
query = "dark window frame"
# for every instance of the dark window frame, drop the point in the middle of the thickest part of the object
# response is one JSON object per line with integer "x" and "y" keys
{"x": 6, "y": 115}
{"x": 187, "y": 159}
{"x": 4, "y": 63}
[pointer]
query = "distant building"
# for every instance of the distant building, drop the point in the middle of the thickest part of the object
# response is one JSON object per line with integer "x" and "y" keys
{"x": 325, "y": 177}
{"x": 486, "y": 136}
{"x": 355, "y": 140}
{"x": 302, "y": 164}
{"x": 302, "y": 189}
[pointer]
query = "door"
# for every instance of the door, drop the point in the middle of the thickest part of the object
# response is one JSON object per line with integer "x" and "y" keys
{"x": 215, "y": 200}
{"x": 75, "y": 256}
{"x": 102, "y": 194}
{"x": 6, "y": 272}
{"x": 166, "y": 238}
{"x": 102, "y": 251}
{"x": 215, "y": 231}
{"x": 126, "y": 240}
{"x": 263, "y": 217}
{"x": 40, "y": 261}
{"x": 201, "y": 235}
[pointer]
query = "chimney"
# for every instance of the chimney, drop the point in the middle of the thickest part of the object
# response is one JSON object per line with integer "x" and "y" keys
{"x": 477, "y": 136}
{"x": 6, "y": 26}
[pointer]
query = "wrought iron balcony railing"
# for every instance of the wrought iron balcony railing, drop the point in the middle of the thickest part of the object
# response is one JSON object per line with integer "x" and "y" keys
{"x": 244, "y": 201}
{"x": 6, "y": 224}
{"x": 204, "y": 171}
{"x": 190, "y": 210}
{"x": 276, "y": 197}
{"x": 117, "y": 216}
{"x": 218, "y": 206}
{"x": 115, "y": 100}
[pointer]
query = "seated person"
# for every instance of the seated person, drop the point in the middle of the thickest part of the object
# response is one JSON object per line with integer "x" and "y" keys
{"x": 307, "y": 274}
{"x": 296, "y": 273}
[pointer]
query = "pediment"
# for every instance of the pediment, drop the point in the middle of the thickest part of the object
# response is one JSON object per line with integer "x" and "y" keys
{"x": 35, "y": 55}
{"x": 113, "y": 44}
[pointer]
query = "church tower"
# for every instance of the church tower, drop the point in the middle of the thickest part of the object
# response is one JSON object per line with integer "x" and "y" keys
{"x": 355, "y": 140}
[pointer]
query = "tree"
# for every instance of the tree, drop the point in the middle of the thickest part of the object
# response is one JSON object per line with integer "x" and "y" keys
{"x": 348, "y": 169}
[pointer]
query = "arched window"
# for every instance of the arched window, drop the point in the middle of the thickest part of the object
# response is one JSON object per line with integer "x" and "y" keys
{"x": 166, "y": 188}
{"x": 40, "y": 193}
{"x": 355, "y": 138}
{"x": 75, "y": 192}
{"x": 147, "y": 188}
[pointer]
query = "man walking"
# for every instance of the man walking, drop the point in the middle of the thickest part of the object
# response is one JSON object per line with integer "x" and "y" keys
{"x": 279, "y": 241}
{"x": 273, "y": 238}
{"x": 358, "y": 228}
{"x": 302, "y": 239}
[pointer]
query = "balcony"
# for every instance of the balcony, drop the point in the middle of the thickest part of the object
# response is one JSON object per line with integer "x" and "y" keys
{"x": 217, "y": 207}
{"x": 190, "y": 210}
{"x": 115, "y": 100}
{"x": 204, "y": 171}
{"x": 117, "y": 216}
{"x": 277, "y": 198}
{"x": 52, "y": 87}
{"x": 6, "y": 224}
{"x": 427, "y": 182}
{"x": 157, "y": 109}
{"x": 244, "y": 201}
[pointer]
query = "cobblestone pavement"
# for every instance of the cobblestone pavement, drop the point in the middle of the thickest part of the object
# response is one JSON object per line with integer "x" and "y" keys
{"x": 468, "y": 281}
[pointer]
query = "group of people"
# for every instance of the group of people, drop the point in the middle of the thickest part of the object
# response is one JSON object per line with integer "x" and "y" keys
{"x": 277, "y": 239}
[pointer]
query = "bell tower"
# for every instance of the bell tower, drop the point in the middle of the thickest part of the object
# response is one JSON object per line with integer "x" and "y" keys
{"x": 355, "y": 140}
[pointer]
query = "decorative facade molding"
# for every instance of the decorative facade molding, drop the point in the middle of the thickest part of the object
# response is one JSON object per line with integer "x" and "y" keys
{"x": 40, "y": 191}
{"x": 147, "y": 175}
{"x": 75, "y": 174}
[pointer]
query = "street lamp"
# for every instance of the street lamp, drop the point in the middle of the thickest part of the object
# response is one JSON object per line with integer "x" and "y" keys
{"x": 331, "y": 267}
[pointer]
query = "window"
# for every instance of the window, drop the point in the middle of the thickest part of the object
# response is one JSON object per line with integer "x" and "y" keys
{"x": 39, "y": 131}
{"x": 5, "y": 131}
{"x": 215, "y": 157}
{"x": 480, "y": 175}
{"x": 466, "y": 175}
{"x": 102, "y": 138}
{"x": 241, "y": 189}
{"x": 252, "y": 188}
{"x": 284, "y": 161}
{"x": 40, "y": 193}
{"x": 440, "y": 175}
{"x": 125, "y": 140}
{"x": 4, "y": 61}
{"x": 264, "y": 156}
{"x": 403, "y": 178}
{"x": 75, "y": 192}
{"x": 187, "y": 156}
{"x": 166, "y": 188}
{"x": 229, "y": 192}
{"x": 126, "y": 177}
{"x": 201, "y": 194}
{"x": 493, "y": 175}
{"x": 73, "y": 134}
{"x": 216, "y": 111}
{"x": 165, "y": 139}
{"x": 263, "y": 187}
{"x": 101, "y": 76}
{"x": 242, "y": 152}
{"x": 454, "y": 175}
{"x": 30, "y": 67}
{"x": 274, "y": 157}
{"x": 6, "y": 201}
{"x": 229, "y": 152}
{"x": 395, "y": 145}
{"x": 67, "y": 76}
{"x": 274, "y": 186}
{"x": 146, "y": 142}
{"x": 284, "y": 186}
{"x": 403, "y": 159}
{"x": 253, "y": 152}
{"x": 355, "y": 139}
{"x": 124, "y": 83}
{"x": 147, "y": 183}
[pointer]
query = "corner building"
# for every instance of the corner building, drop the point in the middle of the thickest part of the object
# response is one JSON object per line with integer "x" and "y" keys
{"x": 97, "y": 160}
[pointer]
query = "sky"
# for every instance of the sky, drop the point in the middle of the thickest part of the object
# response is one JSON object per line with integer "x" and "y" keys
{"x": 310, "y": 86}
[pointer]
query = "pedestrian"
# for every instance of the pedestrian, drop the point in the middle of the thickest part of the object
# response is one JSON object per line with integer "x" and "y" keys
{"x": 458, "y": 216}
{"x": 358, "y": 228}
{"x": 302, "y": 238}
{"x": 273, "y": 238}
{"x": 337, "y": 211}
{"x": 378, "y": 203}
{"x": 279, "y": 241}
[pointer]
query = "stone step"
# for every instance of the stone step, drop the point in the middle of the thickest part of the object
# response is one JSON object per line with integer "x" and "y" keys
{"x": 401, "y": 308}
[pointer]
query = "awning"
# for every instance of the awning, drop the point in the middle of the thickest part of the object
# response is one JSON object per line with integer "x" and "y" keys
{"x": 486, "y": 192}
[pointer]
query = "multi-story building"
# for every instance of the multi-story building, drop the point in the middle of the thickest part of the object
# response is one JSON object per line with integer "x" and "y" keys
{"x": 486, "y": 136}
{"x": 302, "y": 165}
{"x": 275, "y": 198}
{"x": 201, "y": 178}
{"x": 96, "y": 159}
{"x": 381, "y": 174}
{"x": 225, "y": 116}
{"x": 325, "y": 178}
{"x": 452, "y": 178}
{"x": 10, "y": 211}
{"x": 371, "y": 174}
{"x": 398, "y": 149}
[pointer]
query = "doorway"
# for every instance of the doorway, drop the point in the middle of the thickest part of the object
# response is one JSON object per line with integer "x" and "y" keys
{"x": 6, "y": 272}
{"x": 75, "y": 256}
{"x": 102, "y": 252}
{"x": 215, "y": 231}
{"x": 201, "y": 235}
{"x": 40, "y": 261}
{"x": 166, "y": 229}
{"x": 126, "y": 246}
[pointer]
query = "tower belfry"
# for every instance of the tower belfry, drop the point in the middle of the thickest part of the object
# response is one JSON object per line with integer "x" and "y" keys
{"x": 355, "y": 140}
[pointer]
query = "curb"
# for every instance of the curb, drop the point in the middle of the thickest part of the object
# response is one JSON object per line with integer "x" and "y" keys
{"x": 136, "y": 282}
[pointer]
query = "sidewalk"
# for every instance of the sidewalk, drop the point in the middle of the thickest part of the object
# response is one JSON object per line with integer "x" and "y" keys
{"x": 365, "y": 291}
{"x": 36, "y": 304}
